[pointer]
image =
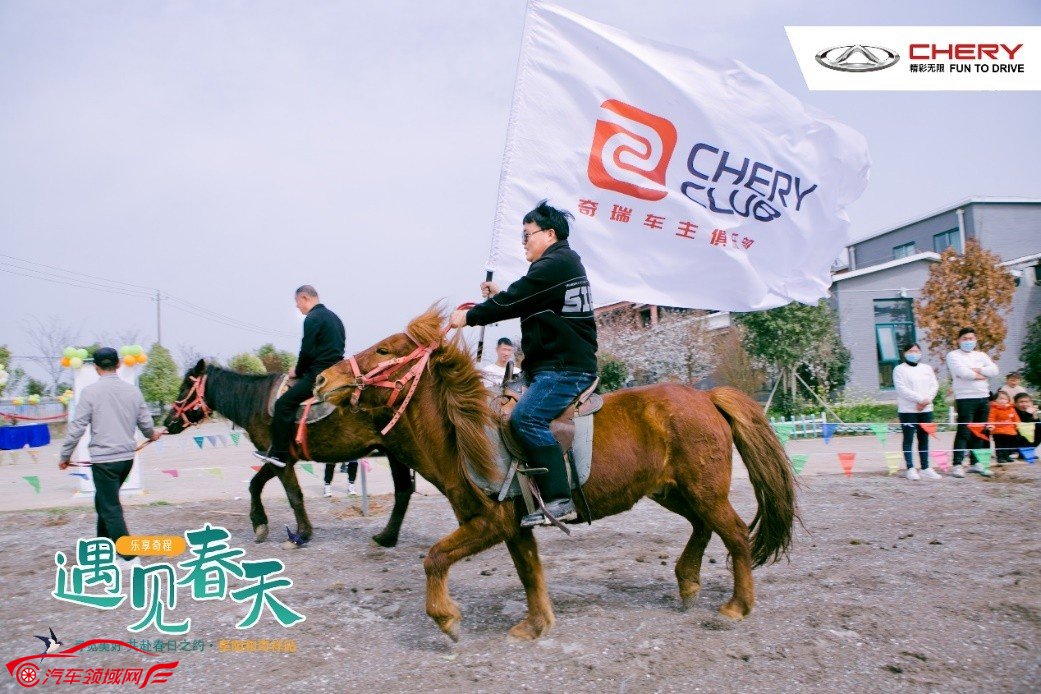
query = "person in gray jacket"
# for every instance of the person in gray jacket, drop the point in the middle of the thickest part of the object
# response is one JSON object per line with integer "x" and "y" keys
{"x": 113, "y": 409}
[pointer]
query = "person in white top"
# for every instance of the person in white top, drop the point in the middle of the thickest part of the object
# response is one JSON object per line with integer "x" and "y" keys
{"x": 493, "y": 373}
{"x": 970, "y": 369}
{"x": 916, "y": 387}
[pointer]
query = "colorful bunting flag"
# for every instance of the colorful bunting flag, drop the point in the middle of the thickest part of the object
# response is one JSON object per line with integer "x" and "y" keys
{"x": 172, "y": 473}
{"x": 799, "y": 462}
{"x": 941, "y": 459}
{"x": 929, "y": 428}
{"x": 212, "y": 440}
{"x": 1026, "y": 430}
{"x": 784, "y": 430}
{"x": 34, "y": 481}
{"x": 82, "y": 475}
{"x": 235, "y": 437}
{"x": 846, "y": 459}
{"x": 223, "y": 440}
{"x": 199, "y": 441}
{"x": 1028, "y": 454}
{"x": 35, "y": 455}
{"x": 978, "y": 430}
{"x": 256, "y": 468}
{"x": 215, "y": 471}
{"x": 881, "y": 431}
{"x": 308, "y": 467}
{"x": 828, "y": 430}
{"x": 365, "y": 464}
{"x": 982, "y": 458}
{"x": 893, "y": 462}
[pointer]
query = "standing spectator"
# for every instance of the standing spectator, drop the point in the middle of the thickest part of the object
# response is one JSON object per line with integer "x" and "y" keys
{"x": 916, "y": 387}
{"x": 1002, "y": 421}
{"x": 350, "y": 467}
{"x": 970, "y": 369}
{"x": 1012, "y": 386}
{"x": 113, "y": 410}
{"x": 493, "y": 373}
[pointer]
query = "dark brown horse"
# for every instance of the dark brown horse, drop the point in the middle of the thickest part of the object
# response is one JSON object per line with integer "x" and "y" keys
{"x": 243, "y": 399}
{"x": 667, "y": 442}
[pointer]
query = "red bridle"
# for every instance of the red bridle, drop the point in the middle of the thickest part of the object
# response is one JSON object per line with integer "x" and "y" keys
{"x": 194, "y": 399}
{"x": 377, "y": 376}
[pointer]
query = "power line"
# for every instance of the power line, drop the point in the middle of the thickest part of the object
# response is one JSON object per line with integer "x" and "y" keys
{"x": 110, "y": 290}
{"x": 76, "y": 272}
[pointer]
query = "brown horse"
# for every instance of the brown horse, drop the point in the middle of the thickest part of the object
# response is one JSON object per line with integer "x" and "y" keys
{"x": 243, "y": 399}
{"x": 667, "y": 442}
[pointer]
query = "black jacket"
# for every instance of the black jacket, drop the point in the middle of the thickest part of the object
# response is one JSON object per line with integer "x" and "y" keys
{"x": 556, "y": 310}
{"x": 323, "y": 342}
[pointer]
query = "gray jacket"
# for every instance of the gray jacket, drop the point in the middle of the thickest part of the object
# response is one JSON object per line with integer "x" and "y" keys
{"x": 113, "y": 409}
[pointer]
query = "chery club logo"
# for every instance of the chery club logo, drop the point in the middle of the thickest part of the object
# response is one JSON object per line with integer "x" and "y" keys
{"x": 631, "y": 151}
{"x": 857, "y": 58}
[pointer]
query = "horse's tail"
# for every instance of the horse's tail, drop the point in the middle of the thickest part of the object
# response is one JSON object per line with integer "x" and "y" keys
{"x": 769, "y": 470}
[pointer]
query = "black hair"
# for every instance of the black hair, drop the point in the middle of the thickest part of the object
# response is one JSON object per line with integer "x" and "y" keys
{"x": 966, "y": 330}
{"x": 504, "y": 341}
{"x": 908, "y": 345}
{"x": 1013, "y": 374}
{"x": 546, "y": 217}
{"x": 1021, "y": 396}
{"x": 307, "y": 290}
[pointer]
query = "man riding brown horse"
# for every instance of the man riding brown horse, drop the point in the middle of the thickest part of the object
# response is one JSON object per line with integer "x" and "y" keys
{"x": 558, "y": 335}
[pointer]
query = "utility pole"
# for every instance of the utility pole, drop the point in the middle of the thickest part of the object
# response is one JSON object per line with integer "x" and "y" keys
{"x": 158, "y": 317}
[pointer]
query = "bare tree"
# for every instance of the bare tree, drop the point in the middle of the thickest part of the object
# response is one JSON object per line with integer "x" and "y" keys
{"x": 188, "y": 355}
{"x": 678, "y": 348}
{"x": 48, "y": 340}
{"x": 117, "y": 339}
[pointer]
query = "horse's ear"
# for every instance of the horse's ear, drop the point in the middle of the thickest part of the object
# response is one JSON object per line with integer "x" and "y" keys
{"x": 199, "y": 368}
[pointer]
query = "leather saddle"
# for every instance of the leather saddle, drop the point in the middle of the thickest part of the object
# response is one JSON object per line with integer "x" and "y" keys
{"x": 563, "y": 427}
{"x": 310, "y": 409}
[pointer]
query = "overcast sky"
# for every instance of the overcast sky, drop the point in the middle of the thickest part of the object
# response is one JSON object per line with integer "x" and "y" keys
{"x": 226, "y": 152}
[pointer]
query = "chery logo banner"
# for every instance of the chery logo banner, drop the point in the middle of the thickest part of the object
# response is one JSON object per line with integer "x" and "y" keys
{"x": 631, "y": 151}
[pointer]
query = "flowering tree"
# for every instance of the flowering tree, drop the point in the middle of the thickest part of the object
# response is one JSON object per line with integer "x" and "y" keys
{"x": 678, "y": 348}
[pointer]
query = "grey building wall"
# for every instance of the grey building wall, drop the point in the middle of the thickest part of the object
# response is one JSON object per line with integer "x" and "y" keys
{"x": 854, "y": 299}
{"x": 1009, "y": 229}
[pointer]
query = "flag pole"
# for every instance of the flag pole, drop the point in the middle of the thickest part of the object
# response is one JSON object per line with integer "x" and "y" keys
{"x": 480, "y": 339}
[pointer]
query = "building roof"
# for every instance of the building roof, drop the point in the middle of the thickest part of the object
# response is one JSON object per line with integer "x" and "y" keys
{"x": 906, "y": 260}
{"x": 951, "y": 208}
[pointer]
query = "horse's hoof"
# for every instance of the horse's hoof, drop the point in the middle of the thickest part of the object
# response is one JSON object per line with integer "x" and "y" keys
{"x": 260, "y": 533}
{"x": 384, "y": 540}
{"x": 450, "y": 626}
{"x": 687, "y": 602}
{"x": 526, "y": 631}
{"x": 289, "y": 544}
{"x": 734, "y": 610}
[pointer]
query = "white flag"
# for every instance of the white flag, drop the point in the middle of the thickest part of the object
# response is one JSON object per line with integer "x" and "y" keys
{"x": 695, "y": 182}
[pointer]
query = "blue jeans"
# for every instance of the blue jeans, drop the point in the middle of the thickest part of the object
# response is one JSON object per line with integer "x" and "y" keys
{"x": 548, "y": 393}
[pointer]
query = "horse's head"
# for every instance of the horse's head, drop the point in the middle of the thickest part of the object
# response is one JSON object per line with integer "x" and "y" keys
{"x": 190, "y": 406}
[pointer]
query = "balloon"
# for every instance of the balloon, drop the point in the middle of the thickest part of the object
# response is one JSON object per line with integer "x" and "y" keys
{"x": 123, "y": 351}
{"x": 82, "y": 353}
{"x": 136, "y": 349}
{"x": 65, "y": 361}
{"x": 141, "y": 358}
{"x": 76, "y": 362}
{"x": 17, "y": 401}
{"x": 34, "y": 399}
{"x": 69, "y": 352}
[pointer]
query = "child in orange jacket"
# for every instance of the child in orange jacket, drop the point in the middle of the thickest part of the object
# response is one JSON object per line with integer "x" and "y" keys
{"x": 1001, "y": 423}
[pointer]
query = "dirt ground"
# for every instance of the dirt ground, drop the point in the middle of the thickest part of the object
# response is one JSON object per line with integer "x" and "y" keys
{"x": 892, "y": 586}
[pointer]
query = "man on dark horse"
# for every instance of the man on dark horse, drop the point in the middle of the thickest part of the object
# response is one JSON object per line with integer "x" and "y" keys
{"x": 321, "y": 347}
{"x": 558, "y": 336}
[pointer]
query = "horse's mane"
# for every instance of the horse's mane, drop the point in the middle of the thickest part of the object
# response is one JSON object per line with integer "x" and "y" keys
{"x": 460, "y": 392}
{"x": 239, "y": 397}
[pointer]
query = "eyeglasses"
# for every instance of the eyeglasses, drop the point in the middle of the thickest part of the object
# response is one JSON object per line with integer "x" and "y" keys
{"x": 525, "y": 236}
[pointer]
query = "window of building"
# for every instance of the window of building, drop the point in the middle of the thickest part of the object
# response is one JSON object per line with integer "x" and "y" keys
{"x": 903, "y": 250}
{"x": 894, "y": 326}
{"x": 947, "y": 239}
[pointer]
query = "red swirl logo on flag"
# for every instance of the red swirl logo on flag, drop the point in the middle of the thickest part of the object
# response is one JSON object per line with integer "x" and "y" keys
{"x": 631, "y": 151}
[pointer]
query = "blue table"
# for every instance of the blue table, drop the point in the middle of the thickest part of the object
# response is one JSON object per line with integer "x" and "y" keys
{"x": 18, "y": 437}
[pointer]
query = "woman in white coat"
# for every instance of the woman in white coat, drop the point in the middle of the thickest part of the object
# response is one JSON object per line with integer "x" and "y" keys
{"x": 916, "y": 387}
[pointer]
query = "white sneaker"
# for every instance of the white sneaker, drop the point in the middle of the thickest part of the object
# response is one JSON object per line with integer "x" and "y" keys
{"x": 126, "y": 564}
{"x": 957, "y": 471}
{"x": 975, "y": 467}
{"x": 328, "y": 490}
{"x": 351, "y": 490}
{"x": 911, "y": 474}
{"x": 930, "y": 474}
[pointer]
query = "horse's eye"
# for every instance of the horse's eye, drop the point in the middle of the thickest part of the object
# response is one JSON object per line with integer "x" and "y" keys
{"x": 383, "y": 351}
